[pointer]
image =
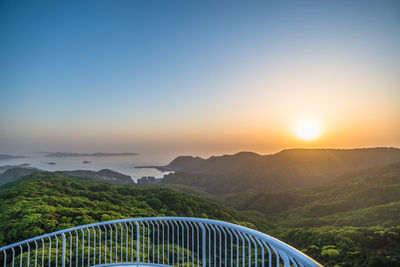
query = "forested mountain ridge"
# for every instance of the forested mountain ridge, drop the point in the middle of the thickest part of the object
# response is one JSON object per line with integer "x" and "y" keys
{"x": 43, "y": 202}
{"x": 287, "y": 169}
{"x": 13, "y": 174}
{"x": 368, "y": 197}
{"x": 352, "y": 220}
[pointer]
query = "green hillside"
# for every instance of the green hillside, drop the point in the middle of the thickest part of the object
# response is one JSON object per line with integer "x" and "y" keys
{"x": 351, "y": 221}
{"x": 44, "y": 202}
{"x": 287, "y": 169}
{"x": 14, "y": 173}
{"x": 363, "y": 198}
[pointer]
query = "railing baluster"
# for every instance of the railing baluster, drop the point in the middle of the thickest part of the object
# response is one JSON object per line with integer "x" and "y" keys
{"x": 77, "y": 248}
{"x": 116, "y": 242}
{"x": 293, "y": 261}
{"x": 255, "y": 250}
{"x": 192, "y": 230}
{"x": 121, "y": 246}
{"x": 143, "y": 240}
{"x": 183, "y": 243}
{"x": 231, "y": 237}
{"x": 158, "y": 242}
{"x": 269, "y": 253}
{"x": 248, "y": 241}
{"x": 237, "y": 247}
{"x": 5, "y": 257}
{"x": 203, "y": 239}
{"x": 198, "y": 243}
{"x": 148, "y": 242}
{"x": 277, "y": 255}
{"x": 13, "y": 256}
{"x": 262, "y": 252}
{"x": 137, "y": 243}
{"x": 286, "y": 261}
{"x": 137, "y": 249}
{"x": 94, "y": 245}
{"x": 56, "y": 250}
{"x": 168, "y": 241}
{"x": 209, "y": 245}
{"x": 99, "y": 244}
{"x": 29, "y": 251}
{"x": 215, "y": 245}
{"x": 220, "y": 246}
{"x": 70, "y": 249}
{"x": 163, "y": 250}
{"x": 63, "y": 250}
{"x": 20, "y": 257}
{"x": 225, "y": 246}
{"x": 244, "y": 248}
{"x": 83, "y": 247}
{"x": 177, "y": 242}
{"x": 187, "y": 242}
{"x": 152, "y": 239}
{"x": 122, "y": 238}
{"x": 105, "y": 244}
{"x": 49, "y": 251}
{"x": 126, "y": 242}
{"x": 111, "y": 251}
{"x": 42, "y": 252}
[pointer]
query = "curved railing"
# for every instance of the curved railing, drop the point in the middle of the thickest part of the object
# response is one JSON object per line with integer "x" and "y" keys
{"x": 172, "y": 241}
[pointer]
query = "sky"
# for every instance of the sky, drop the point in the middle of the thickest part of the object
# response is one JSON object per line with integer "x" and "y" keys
{"x": 198, "y": 78}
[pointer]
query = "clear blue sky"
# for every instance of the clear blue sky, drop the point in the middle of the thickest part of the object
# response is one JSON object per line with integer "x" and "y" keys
{"x": 133, "y": 75}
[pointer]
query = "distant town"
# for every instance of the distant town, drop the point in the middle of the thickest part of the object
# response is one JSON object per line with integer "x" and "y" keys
{"x": 149, "y": 180}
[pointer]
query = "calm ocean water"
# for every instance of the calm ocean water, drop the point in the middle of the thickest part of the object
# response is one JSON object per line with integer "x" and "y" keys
{"x": 122, "y": 164}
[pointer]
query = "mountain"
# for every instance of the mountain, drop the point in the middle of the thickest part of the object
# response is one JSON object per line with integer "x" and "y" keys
{"x": 104, "y": 175}
{"x": 368, "y": 197}
{"x": 100, "y": 154}
{"x": 3, "y": 168}
{"x": 287, "y": 169}
{"x": 13, "y": 174}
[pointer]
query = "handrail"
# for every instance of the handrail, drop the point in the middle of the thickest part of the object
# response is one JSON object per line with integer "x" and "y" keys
{"x": 189, "y": 242}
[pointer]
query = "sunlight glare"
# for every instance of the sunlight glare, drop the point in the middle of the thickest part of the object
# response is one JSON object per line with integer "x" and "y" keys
{"x": 308, "y": 129}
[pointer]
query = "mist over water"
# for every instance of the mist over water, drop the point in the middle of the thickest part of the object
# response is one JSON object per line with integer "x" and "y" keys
{"x": 122, "y": 164}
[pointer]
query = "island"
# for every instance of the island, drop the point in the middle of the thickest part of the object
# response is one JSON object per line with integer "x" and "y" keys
{"x": 99, "y": 154}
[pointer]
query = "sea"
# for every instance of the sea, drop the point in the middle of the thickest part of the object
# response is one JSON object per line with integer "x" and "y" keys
{"x": 122, "y": 164}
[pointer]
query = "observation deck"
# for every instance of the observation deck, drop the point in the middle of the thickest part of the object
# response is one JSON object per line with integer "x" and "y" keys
{"x": 156, "y": 241}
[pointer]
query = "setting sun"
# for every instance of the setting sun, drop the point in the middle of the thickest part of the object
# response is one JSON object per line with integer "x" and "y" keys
{"x": 308, "y": 129}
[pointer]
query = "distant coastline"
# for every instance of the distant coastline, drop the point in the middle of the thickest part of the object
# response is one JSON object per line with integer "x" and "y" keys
{"x": 99, "y": 154}
{"x": 6, "y": 156}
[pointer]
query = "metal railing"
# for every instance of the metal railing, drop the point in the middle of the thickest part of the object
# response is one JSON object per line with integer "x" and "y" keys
{"x": 172, "y": 241}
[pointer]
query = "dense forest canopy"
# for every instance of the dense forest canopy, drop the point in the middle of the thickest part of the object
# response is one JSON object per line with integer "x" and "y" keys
{"x": 45, "y": 202}
{"x": 353, "y": 220}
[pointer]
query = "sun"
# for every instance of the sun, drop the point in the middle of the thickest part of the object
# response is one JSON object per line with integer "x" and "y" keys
{"x": 308, "y": 129}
